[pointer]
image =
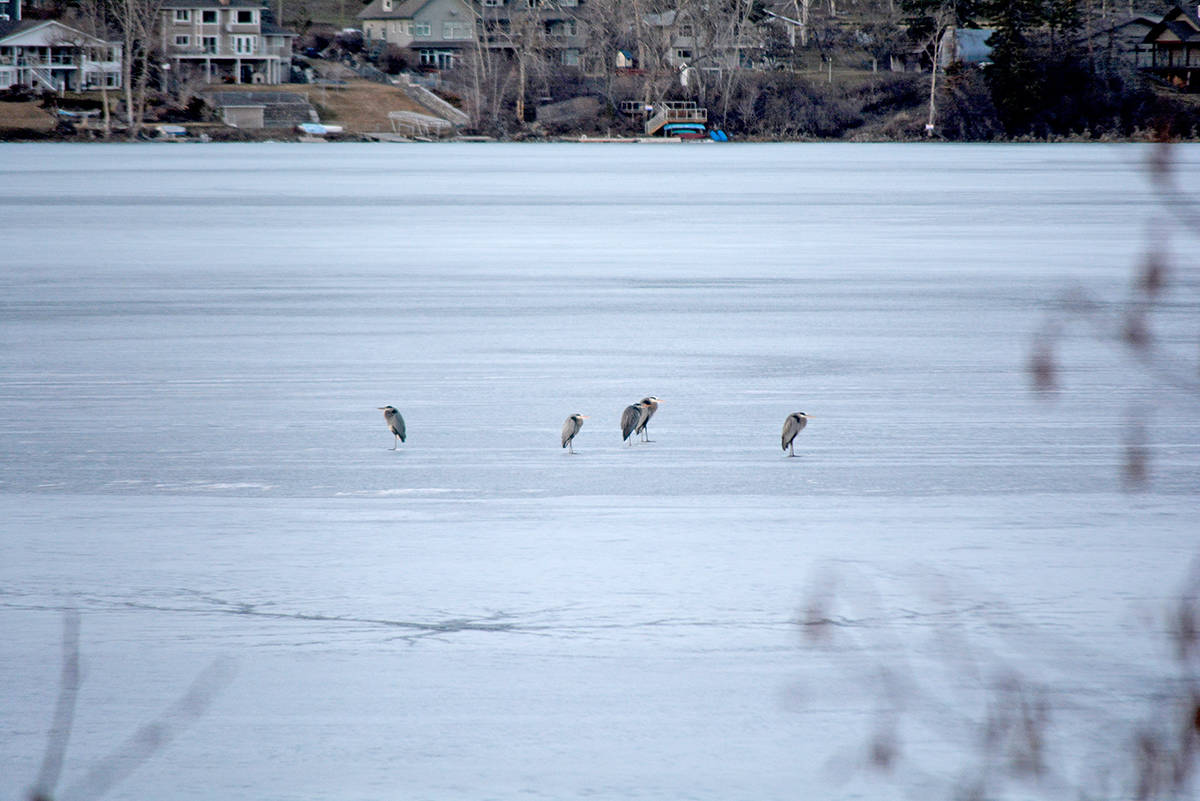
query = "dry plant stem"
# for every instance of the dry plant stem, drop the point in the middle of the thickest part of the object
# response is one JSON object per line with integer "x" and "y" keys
{"x": 153, "y": 736}
{"x": 64, "y": 712}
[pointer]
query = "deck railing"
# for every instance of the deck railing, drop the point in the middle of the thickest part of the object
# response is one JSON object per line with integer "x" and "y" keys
{"x": 674, "y": 112}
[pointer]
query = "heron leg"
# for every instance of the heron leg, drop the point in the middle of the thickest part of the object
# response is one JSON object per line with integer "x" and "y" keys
{"x": 792, "y": 448}
{"x": 570, "y": 446}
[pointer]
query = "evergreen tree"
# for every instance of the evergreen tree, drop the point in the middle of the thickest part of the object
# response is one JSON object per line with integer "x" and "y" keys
{"x": 1015, "y": 77}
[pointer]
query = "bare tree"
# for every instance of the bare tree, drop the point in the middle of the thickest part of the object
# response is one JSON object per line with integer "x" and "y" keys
{"x": 136, "y": 22}
{"x": 93, "y": 20}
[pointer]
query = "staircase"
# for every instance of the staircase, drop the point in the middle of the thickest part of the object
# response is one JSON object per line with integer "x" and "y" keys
{"x": 41, "y": 74}
{"x": 674, "y": 111}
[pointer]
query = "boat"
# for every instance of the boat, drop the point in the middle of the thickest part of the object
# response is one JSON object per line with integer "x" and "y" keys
{"x": 685, "y": 130}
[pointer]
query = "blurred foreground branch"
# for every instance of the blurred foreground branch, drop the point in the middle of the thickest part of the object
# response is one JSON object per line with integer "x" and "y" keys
{"x": 139, "y": 748}
{"x": 1039, "y": 730}
{"x": 1130, "y": 325}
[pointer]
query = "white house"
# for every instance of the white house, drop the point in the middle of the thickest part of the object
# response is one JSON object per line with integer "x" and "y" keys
{"x": 46, "y": 54}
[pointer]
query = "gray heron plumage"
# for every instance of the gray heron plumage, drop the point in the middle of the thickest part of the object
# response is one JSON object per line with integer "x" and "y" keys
{"x": 570, "y": 429}
{"x": 395, "y": 424}
{"x": 631, "y": 418}
{"x": 650, "y": 406}
{"x": 793, "y": 425}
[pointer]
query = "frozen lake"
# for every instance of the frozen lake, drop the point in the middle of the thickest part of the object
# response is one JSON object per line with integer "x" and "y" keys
{"x": 194, "y": 341}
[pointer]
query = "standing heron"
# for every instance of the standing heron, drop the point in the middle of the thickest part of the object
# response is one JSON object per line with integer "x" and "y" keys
{"x": 395, "y": 424}
{"x": 570, "y": 429}
{"x": 631, "y": 418}
{"x": 792, "y": 426}
{"x": 651, "y": 406}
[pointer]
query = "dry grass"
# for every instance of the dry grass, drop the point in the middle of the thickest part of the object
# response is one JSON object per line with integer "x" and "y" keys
{"x": 25, "y": 116}
{"x": 359, "y": 106}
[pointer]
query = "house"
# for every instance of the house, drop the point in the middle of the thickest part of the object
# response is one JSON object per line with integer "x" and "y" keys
{"x": 436, "y": 31}
{"x": 224, "y": 41}
{"x": 1122, "y": 39}
{"x": 1174, "y": 43}
{"x": 966, "y": 46}
{"x": 552, "y": 28}
{"x": 251, "y": 110}
{"x": 48, "y": 55}
{"x": 684, "y": 39}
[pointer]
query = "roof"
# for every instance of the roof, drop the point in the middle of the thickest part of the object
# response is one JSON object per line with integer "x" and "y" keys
{"x": 271, "y": 29}
{"x": 439, "y": 44}
{"x": 236, "y": 99}
{"x": 211, "y": 4}
{"x": 17, "y": 27}
{"x": 971, "y": 44}
{"x": 401, "y": 9}
{"x": 1179, "y": 22}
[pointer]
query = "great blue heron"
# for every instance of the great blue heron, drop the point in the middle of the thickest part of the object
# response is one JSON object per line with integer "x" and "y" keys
{"x": 395, "y": 423}
{"x": 792, "y": 426}
{"x": 650, "y": 405}
{"x": 570, "y": 429}
{"x": 631, "y": 418}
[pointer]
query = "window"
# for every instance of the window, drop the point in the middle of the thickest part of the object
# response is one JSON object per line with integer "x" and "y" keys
{"x": 683, "y": 54}
{"x": 441, "y": 59}
{"x": 686, "y": 29}
{"x": 244, "y": 45}
{"x": 208, "y": 44}
{"x": 182, "y": 41}
{"x": 570, "y": 57}
{"x": 183, "y": 15}
{"x": 493, "y": 3}
{"x": 208, "y": 17}
{"x": 455, "y": 30}
{"x": 422, "y": 29}
{"x": 245, "y": 17}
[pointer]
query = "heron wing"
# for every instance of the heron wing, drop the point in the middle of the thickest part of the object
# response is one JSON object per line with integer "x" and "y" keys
{"x": 791, "y": 427}
{"x": 630, "y": 419}
{"x": 396, "y": 423}
{"x": 790, "y": 430}
{"x": 570, "y": 429}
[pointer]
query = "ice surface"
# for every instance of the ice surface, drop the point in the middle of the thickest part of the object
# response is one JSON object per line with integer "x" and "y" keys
{"x": 195, "y": 341}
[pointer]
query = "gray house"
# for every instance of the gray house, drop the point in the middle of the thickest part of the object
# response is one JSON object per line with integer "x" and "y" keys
{"x": 553, "y": 28}
{"x": 436, "y": 31}
{"x": 224, "y": 41}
